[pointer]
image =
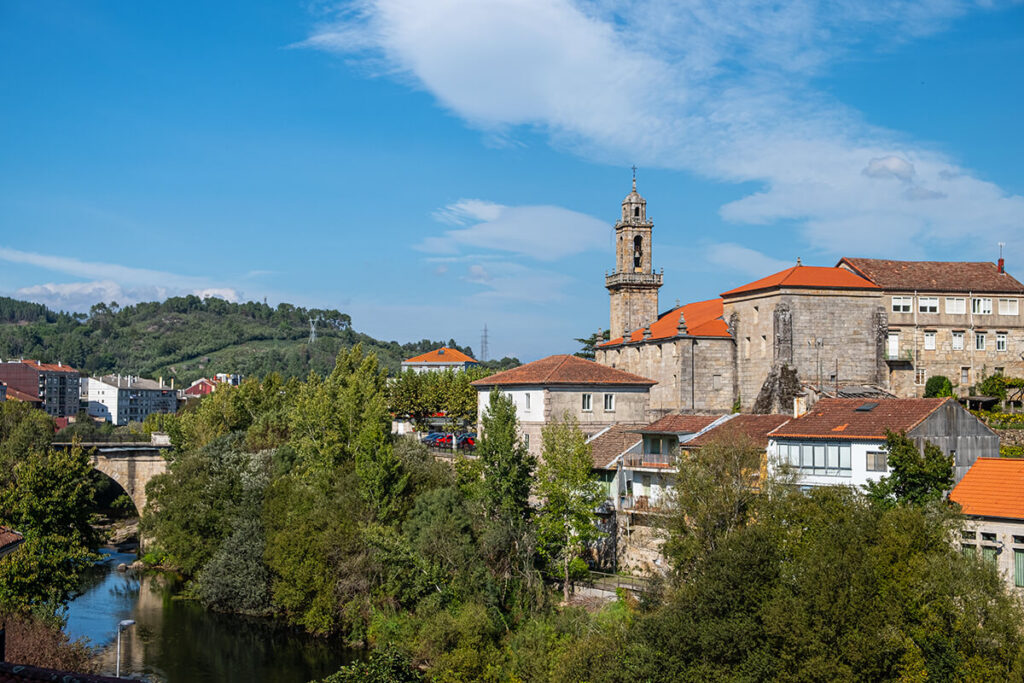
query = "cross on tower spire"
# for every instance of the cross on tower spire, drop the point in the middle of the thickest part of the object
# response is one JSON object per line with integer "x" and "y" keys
{"x": 634, "y": 177}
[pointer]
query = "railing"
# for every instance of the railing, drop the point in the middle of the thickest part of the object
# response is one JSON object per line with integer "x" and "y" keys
{"x": 618, "y": 278}
{"x": 614, "y": 582}
{"x": 654, "y": 460}
{"x": 641, "y": 504}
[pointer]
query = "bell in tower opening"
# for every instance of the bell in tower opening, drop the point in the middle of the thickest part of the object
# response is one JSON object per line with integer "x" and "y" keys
{"x": 633, "y": 285}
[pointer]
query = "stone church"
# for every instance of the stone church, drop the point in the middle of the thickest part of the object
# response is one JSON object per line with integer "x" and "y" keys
{"x": 864, "y": 327}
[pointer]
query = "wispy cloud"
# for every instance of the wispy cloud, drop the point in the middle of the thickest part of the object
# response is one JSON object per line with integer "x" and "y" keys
{"x": 108, "y": 282}
{"x": 740, "y": 259}
{"x": 544, "y": 233}
{"x": 723, "y": 88}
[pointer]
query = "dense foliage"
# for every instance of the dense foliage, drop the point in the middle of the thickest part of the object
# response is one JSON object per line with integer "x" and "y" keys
{"x": 418, "y": 396}
{"x": 188, "y": 337}
{"x": 938, "y": 386}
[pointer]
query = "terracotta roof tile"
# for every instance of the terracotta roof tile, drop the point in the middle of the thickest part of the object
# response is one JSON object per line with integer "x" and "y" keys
{"x": 18, "y": 395}
{"x": 754, "y": 427}
{"x": 18, "y": 673}
{"x": 993, "y": 487}
{"x": 442, "y": 355}
{"x": 806, "y": 277}
{"x": 935, "y": 276}
{"x": 612, "y": 443}
{"x": 701, "y": 319}
{"x": 679, "y": 424}
{"x": 8, "y": 538}
{"x": 50, "y": 367}
{"x": 564, "y": 370}
{"x": 838, "y": 418}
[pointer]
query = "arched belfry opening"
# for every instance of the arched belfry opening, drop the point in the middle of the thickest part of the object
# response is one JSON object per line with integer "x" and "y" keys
{"x": 636, "y": 211}
{"x": 638, "y": 252}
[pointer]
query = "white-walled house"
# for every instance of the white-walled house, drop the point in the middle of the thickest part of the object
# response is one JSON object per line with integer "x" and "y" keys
{"x": 991, "y": 496}
{"x": 546, "y": 390}
{"x": 842, "y": 441}
{"x": 123, "y": 399}
{"x": 440, "y": 360}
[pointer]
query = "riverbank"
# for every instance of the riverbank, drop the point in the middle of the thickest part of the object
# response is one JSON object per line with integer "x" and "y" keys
{"x": 179, "y": 641}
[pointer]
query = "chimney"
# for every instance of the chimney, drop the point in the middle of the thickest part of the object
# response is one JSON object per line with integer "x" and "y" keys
{"x": 1002, "y": 265}
{"x": 172, "y": 383}
{"x": 161, "y": 381}
{"x": 799, "y": 405}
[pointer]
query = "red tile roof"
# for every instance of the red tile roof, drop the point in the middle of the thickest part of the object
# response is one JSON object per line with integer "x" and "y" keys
{"x": 442, "y": 355}
{"x": 701, "y": 319}
{"x": 18, "y": 395}
{"x": 806, "y": 277}
{"x": 838, "y": 418}
{"x": 993, "y": 487}
{"x": 50, "y": 367}
{"x": 934, "y": 276}
{"x": 612, "y": 443}
{"x": 9, "y": 539}
{"x": 754, "y": 427}
{"x": 679, "y": 424}
{"x": 563, "y": 370}
{"x": 17, "y": 673}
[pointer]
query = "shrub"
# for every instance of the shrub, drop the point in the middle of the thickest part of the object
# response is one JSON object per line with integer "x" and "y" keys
{"x": 938, "y": 386}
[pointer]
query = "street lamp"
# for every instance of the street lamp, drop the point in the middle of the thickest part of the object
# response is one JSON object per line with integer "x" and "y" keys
{"x": 120, "y": 627}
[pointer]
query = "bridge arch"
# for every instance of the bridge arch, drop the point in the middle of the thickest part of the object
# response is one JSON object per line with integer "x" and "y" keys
{"x": 132, "y": 466}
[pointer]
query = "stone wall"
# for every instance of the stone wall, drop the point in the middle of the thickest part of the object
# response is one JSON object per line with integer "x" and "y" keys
{"x": 132, "y": 469}
{"x": 639, "y": 545}
{"x": 632, "y": 309}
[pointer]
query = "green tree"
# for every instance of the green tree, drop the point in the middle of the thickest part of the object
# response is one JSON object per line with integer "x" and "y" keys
{"x": 569, "y": 495}
{"x": 589, "y": 344}
{"x": 22, "y": 430}
{"x": 938, "y": 386}
{"x": 507, "y": 465}
{"x": 915, "y": 478}
{"x": 388, "y": 665}
{"x": 49, "y": 501}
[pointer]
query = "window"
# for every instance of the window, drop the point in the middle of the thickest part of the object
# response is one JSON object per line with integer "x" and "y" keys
{"x": 920, "y": 376}
{"x": 1018, "y": 568}
{"x": 894, "y": 344}
{"x": 526, "y": 401}
{"x": 764, "y": 345}
{"x": 655, "y": 446}
{"x": 969, "y": 550}
{"x": 929, "y": 341}
{"x": 1000, "y": 341}
{"x": 928, "y": 304}
{"x": 968, "y": 535}
{"x": 877, "y": 461}
{"x": 638, "y": 251}
{"x": 979, "y": 341}
{"x": 609, "y": 402}
{"x": 526, "y": 440}
{"x": 956, "y": 304}
{"x": 746, "y": 347}
{"x": 958, "y": 341}
{"x": 981, "y": 306}
{"x": 902, "y": 304}
{"x": 588, "y": 402}
{"x": 1008, "y": 307}
{"x": 716, "y": 381}
{"x": 990, "y": 553}
{"x": 1018, "y": 540}
{"x": 825, "y": 459}
{"x": 988, "y": 537}
{"x": 965, "y": 375}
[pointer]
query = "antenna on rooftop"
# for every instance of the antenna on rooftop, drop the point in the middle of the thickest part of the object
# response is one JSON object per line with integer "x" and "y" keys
{"x": 483, "y": 344}
{"x": 312, "y": 330}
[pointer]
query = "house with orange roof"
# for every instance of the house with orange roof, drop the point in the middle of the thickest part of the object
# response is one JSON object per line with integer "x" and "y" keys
{"x": 548, "y": 389}
{"x": 440, "y": 360}
{"x": 861, "y": 327}
{"x": 990, "y": 497}
{"x": 842, "y": 441}
{"x": 55, "y": 385}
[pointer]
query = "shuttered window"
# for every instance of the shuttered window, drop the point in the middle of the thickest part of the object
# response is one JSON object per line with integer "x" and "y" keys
{"x": 989, "y": 553}
{"x": 1018, "y": 568}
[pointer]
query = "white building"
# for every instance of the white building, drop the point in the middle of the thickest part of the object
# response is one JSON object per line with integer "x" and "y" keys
{"x": 842, "y": 440}
{"x": 439, "y": 360}
{"x": 123, "y": 399}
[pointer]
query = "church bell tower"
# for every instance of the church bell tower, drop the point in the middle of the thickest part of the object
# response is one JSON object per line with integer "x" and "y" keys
{"x": 633, "y": 285}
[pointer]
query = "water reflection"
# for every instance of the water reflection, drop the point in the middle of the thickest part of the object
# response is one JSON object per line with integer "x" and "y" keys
{"x": 177, "y": 641}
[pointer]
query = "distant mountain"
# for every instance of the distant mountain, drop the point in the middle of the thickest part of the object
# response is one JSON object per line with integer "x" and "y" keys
{"x": 188, "y": 337}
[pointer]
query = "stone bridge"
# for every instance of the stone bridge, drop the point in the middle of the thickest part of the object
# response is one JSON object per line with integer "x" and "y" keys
{"x": 131, "y": 465}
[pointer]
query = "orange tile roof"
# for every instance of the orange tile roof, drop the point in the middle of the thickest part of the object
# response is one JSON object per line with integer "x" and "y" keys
{"x": 701, "y": 319}
{"x": 754, "y": 427}
{"x": 18, "y": 395}
{"x": 934, "y": 276}
{"x": 563, "y": 370}
{"x": 807, "y": 277}
{"x": 993, "y": 487}
{"x": 679, "y": 424}
{"x": 442, "y": 355}
{"x": 838, "y": 418}
{"x": 8, "y": 539}
{"x": 50, "y": 367}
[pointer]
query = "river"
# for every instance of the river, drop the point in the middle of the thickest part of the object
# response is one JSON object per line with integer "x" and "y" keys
{"x": 178, "y": 641}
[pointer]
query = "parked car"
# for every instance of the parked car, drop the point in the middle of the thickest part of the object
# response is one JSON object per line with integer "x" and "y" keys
{"x": 466, "y": 441}
{"x": 429, "y": 438}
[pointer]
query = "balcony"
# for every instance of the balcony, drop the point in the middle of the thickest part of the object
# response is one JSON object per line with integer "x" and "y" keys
{"x": 626, "y": 278}
{"x": 642, "y": 504}
{"x": 658, "y": 461}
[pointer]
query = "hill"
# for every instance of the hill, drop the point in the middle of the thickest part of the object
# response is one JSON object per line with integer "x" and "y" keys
{"x": 188, "y": 337}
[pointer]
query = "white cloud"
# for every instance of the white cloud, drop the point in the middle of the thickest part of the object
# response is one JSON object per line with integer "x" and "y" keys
{"x": 544, "y": 233}
{"x": 723, "y": 88}
{"x": 108, "y": 282}
{"x": 745, "y": 260}
{"x": 508, "y": 281}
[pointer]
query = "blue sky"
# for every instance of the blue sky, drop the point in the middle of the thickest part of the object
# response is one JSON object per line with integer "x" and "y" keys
{"x": 429, "y": 167}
